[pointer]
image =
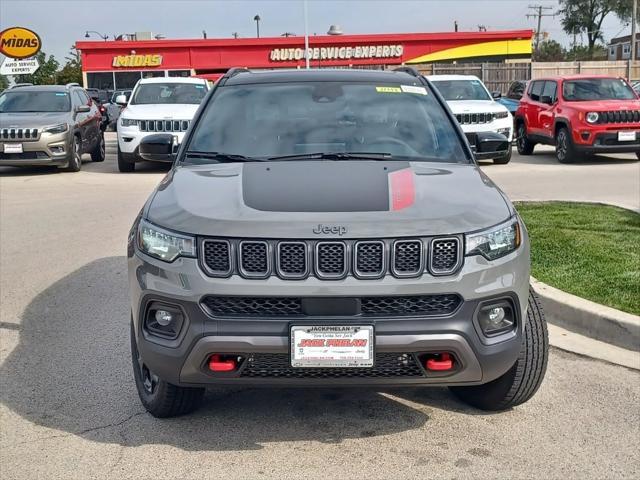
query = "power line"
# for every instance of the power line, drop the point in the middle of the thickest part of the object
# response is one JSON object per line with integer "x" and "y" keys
{"x": 539, "y": 9}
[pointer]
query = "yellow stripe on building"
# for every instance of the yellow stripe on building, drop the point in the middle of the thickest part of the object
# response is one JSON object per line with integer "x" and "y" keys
{"x": 499, "y": 48}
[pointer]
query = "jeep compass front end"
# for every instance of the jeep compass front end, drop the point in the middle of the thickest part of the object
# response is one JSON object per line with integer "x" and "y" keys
{"x": 329, "y": 228}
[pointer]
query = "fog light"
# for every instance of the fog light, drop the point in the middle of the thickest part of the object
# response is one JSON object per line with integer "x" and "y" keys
{"x": 505, "y": 131}
{"x": 164, "y": 317}
{"x": 496, "y": 318}
{"x": 163, "y": 320}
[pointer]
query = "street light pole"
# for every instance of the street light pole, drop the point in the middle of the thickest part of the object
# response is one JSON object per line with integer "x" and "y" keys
{"x": 257, "y": 19}
{"x": 306, "y": 35}
{"x": 104, "y": 37}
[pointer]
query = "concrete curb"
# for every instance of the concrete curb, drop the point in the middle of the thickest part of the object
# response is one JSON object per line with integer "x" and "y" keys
{"x": 588, "y": 318}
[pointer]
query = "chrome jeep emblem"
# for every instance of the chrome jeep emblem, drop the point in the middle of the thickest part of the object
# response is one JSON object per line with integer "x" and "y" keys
{"x": 330, "y": 229}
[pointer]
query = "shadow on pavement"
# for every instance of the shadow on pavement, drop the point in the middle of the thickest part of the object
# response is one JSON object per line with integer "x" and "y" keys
{"x": 71, "y": 372}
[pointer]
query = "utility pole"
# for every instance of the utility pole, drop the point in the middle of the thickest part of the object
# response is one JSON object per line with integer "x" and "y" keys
{"x": 633, "y": 30}
{"x": 539, "y": 9}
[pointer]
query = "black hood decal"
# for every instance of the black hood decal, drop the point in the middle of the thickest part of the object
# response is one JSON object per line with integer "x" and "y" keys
{"x": 319, "y": 186}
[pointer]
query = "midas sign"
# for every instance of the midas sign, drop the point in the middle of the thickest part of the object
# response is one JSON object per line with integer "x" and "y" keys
{"x": 19, "y": 42}
{"x": 126, "y": 61}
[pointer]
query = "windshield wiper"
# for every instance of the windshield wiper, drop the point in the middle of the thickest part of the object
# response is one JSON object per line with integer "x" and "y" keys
{"x": 335, "y": 156}
{"x": 222, "y": 157}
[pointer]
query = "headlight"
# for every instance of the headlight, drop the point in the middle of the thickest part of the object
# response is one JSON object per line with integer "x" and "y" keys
{"x": 162, "y": 244}
{"x": 495, "y": 242}
{"x": 128, "y": 122}
{"x": 592, "y": 117}
{"x": 63, "y": 127}
{"x": 501, "y": 115}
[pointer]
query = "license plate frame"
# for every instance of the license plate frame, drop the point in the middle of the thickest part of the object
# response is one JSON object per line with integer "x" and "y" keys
{"x": 627, "y": 136}
{"x": 332, "y": 346}
{"x": 13, "y": 148}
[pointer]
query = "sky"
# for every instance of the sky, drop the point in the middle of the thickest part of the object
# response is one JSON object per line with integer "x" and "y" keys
{"x": 61, "y": 22}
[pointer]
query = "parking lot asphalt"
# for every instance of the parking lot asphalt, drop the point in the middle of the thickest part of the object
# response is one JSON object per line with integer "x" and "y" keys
{"x": 68, "y": 402}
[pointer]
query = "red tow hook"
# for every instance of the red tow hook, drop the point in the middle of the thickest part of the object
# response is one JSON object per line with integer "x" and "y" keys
{"x": 440, "y": 362}
{"x": 217, "y": 364}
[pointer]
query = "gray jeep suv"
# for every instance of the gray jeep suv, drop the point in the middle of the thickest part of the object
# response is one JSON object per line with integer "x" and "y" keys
{"x": 49, "y": 125}
{"x": 330, "y": 227}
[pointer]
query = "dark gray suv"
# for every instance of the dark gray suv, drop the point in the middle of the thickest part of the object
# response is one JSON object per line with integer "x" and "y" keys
{"x": 330, "y": 227}
{"x": 49, "y": 125}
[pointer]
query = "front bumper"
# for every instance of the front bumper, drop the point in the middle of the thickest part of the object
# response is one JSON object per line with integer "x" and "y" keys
{"x": 605, "y": 141}
{"x": 48, "y": 149}
{"x": 129, "y": 139}
{"x": 183, "y": 361}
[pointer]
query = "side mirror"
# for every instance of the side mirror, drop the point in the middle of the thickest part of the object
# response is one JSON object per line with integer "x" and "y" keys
{"x": 546, "y": 99}
{"x": 491, "y": 145}
{"x": 121, "y": 100}
{"x": 496, "y": 94}
{"x": 160, "y": 147}
{"x": 83, "y": 109}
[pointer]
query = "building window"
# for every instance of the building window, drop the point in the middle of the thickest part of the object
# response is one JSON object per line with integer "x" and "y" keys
{"x": 612, "y": 51}
{"x": 179, "y": 73}
{"x": 626, "y": 48}
{"x": 126, "y": 80}
{"x": 101, "y": 80}
{"x": 153, "y": 73}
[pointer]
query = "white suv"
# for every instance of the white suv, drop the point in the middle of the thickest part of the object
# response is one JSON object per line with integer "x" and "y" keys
{"x": 475, "y": 108}
{"x": 156, "y": 105}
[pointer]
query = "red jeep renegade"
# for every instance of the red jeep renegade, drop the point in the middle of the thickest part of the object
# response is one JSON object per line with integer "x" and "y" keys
{"x": 579, "y": 115}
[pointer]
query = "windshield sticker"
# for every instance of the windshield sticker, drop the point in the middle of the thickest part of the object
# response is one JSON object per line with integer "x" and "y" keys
{"x": 388, "y": 90}
{"x": 199, "y": 87}
{"x": 413, "y": 89}
{"x": 61, "y": 94}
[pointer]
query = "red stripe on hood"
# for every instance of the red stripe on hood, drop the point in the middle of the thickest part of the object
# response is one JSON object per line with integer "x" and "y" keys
{"x": 402, "y": 190}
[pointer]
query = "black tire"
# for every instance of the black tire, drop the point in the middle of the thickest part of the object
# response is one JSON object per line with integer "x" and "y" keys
{"x": 522, "y": 381}
{"x": 504, "y": 160}
{"x": 524, "y": 145}
{"x": 638, "y": 155}
{"x": 160, "y": 398}
{"x": 124, "y": 165}
{"x": 98, "y": 154}
{"x": 75, "y": 159}
{"x": 565, "y": 151}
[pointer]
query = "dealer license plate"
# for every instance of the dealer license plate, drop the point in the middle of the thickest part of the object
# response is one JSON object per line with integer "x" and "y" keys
{"x": 12, "y": 148}
{"x": 626, "y": 136}
{"x": 332, "y": 346}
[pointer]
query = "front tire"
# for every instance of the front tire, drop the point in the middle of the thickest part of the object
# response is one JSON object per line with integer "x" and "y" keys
{"x": 565, "y": 151}
{"x": 525, "y": 146}
{"x": 124, "y": 165}
{"x": 98, "y": 154}
{"x": 160, "y": 398}
{"x": 522, "y": 380}
{"x": 75, "y": 159}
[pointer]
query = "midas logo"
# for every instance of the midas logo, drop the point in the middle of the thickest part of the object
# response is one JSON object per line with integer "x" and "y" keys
{"x": 19, "y": 42}
{"x": 137, "y": 61}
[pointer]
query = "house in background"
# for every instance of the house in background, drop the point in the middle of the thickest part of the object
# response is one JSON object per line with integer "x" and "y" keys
{"x": 619, "y": 48}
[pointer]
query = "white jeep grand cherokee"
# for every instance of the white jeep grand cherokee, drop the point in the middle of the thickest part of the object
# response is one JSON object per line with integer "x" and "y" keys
{"x": 474, "y": 108}
{"x": 156, "y": 105}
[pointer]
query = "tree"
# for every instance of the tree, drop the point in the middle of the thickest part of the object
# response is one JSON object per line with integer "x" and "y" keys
{"x": 579, "y": 53}
{"x": 586, "y": 16}
{"x": 72, "y": 70}
{"x": 45, "y": 75}
{"x": 549, "y": 51}
{"x": 4, "y": 83}
{"x": 624, "y": 10}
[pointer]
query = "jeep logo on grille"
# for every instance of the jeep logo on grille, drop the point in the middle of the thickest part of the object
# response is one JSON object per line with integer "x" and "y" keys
{"x": 330, "y": 229}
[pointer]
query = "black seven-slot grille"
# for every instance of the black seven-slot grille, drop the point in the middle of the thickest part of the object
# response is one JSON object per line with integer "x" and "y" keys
{"x": 19, "y": 133}
{"x": 330, "y": 260}
{"x": 278, "y": 365}
{"x": 163, "y": 125}
{"x": 619, "y": 116}
{"x": 385, "y": 306}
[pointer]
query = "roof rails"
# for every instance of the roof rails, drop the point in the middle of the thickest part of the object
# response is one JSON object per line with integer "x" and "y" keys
{"x": 23, "y": 84}
{"x": 410, "y": 70}
{"x": 72, "y": 84}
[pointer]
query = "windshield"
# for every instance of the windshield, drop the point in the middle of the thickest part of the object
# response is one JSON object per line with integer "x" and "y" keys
{"x": 21, "y": 101}
{"x": 293, "y": 119}
{"x": 168, "y": 93}
{"x": 462, "y": 90}
{"x": 596, "y": 89}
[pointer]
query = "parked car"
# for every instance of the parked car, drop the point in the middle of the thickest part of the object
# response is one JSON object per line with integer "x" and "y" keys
{"x": 113, "y": 109}
{"x": 636, "y": 88}
{"x": 101, "y": 95}
{"x": 579, "y": 114}
{"x": 49, "y": 125}
{"x": 475, "y": 108}
{"x": 104, "y": 123}
{"x": 161, "y": 104}
{"x": 330, "y": 227}
{"x": 512, "y": 99}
